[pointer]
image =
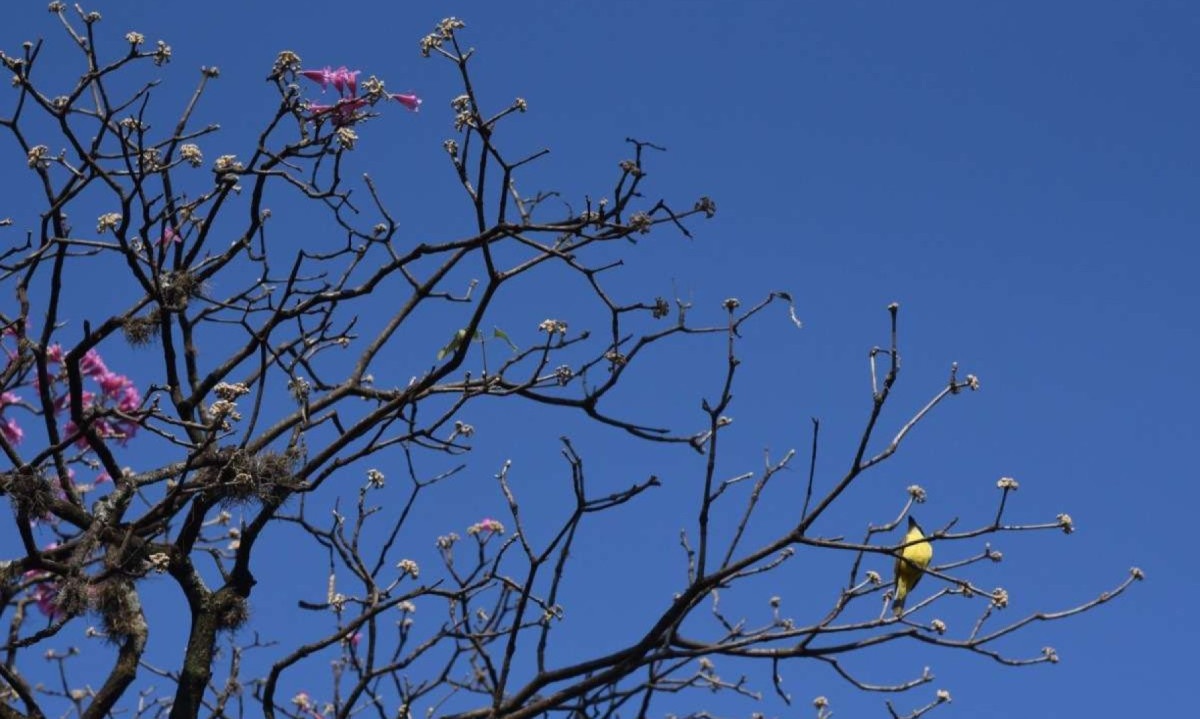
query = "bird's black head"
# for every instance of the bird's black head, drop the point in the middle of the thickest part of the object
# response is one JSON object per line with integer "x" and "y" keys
{"x": 912, "y": 523}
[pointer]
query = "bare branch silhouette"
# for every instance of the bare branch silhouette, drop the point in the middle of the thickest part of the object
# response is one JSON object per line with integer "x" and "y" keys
{"x": 281, "y": 382}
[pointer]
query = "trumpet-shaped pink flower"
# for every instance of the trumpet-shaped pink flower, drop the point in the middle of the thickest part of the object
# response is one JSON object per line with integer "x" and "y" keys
{"x": 343, "y": 80}
{"x": 130, "y": 399}
{"x": 412, "y": 102}
{"x": 113, "y": 384}
{"x": 91, "y": 364}
{"x": 321, "y": 76}
{"x": 9, "y": 427}
{"x": 342, "y": 113}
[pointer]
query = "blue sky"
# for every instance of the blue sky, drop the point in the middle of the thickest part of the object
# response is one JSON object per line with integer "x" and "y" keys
{"x": 1021, "y": 177}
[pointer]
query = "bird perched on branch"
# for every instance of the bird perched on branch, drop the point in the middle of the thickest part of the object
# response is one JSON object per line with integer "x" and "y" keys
{"x": 911, "y": 561}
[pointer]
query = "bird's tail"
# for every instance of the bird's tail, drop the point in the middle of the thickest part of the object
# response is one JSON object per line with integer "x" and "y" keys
{"x": 898, "y": 605}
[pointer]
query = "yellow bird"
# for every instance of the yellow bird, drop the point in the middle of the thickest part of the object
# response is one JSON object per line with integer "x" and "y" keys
{"x": 911, "y": 561}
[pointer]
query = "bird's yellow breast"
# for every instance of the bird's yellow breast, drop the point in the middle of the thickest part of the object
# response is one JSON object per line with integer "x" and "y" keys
{"x": 920, "y": 553}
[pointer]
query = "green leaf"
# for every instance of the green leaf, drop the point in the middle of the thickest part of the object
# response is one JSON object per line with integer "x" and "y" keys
{"x": 497, "y": 332}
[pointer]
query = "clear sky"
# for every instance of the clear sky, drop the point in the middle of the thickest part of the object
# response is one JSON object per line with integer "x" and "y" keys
{"x": 1021, "y": 177}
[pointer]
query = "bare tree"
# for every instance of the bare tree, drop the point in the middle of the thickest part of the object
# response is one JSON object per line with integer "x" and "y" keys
{"x": 272, "y": 384}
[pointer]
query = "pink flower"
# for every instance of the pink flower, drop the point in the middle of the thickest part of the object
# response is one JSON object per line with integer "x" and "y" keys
{"x": 321, "y": 76}
{"x": 69, "y": 429}
{"x": 45, "y": 594}
{"x": 91, "y": 364}
{"x": 64, "y": 401}
{"x": 346, "y": 83}
{"x": 130, "y": 400}
{"x": 113, "y": 384}
{"x": 412, "y": 102}
{"x": 104, "y": 428}
{"x": 9, "y": 427}
{"x": 55, "y": 353}
{"x": 342, "y": 113}
{"x": 346, "y": 78}
{"x": 341, "y": 79}
{"x": 168, "y": 236}
{"x": 12, "y": 431}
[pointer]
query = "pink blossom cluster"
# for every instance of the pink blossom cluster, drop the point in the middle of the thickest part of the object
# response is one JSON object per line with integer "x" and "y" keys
{"x": 115, "y": 391}
{"x": 344, "y": 111}
{"x": 111, "y": 391}
{"x": 8, "y": 426}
